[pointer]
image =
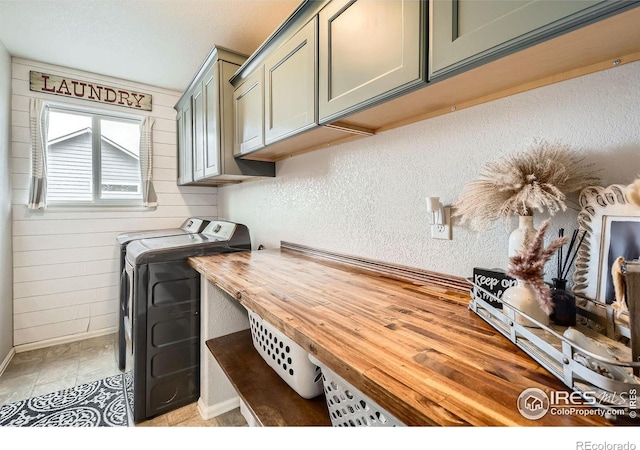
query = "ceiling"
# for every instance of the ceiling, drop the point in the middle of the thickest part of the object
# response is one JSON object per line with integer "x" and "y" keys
{"x": 157, "y": 42}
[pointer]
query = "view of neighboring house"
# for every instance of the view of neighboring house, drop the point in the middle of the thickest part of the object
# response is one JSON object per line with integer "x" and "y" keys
{"x": 120, "y": 168}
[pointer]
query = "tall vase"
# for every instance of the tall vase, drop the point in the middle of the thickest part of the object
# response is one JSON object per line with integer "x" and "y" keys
{"x": 523, "y": 298}
{"x": 519, "y": 235}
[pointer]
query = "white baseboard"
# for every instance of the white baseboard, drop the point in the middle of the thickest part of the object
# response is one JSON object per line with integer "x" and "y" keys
{"x": 209, "y": 412}
{"x": 64, "y": 340}
{"x": 251, "y": 420}
{"x": 7, "y": 360}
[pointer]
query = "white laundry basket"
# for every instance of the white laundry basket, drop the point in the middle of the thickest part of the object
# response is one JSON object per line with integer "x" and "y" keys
{"x": 348, "y": 407}
{"x": 289, "y": 360}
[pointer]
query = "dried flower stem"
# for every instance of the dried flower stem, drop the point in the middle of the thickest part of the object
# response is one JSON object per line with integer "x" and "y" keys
{"x": 528, "y": 264}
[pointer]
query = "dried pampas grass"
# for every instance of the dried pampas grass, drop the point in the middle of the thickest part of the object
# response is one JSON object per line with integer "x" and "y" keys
{"x": 538, "y": 179}
{"x": 528, "y": 265}
{"x": 633, "y": 193}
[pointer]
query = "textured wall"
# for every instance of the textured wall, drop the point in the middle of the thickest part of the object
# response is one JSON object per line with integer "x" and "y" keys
{"x": 6, "y": 271}
{"x": 366, "y": 198}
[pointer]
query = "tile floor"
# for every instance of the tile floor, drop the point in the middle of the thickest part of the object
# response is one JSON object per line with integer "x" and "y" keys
{"x": 51, "y": 369}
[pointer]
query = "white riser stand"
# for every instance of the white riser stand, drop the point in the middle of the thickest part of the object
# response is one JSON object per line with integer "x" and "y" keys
{"x": 220, "y": 315}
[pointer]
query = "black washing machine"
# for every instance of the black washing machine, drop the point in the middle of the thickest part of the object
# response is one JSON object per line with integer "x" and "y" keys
{"x": 190, "y": 226}
{"x": 162, "y": 316}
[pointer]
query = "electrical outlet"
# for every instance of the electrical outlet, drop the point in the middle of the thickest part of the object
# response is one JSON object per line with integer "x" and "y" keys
{"x": 443, "y": 231}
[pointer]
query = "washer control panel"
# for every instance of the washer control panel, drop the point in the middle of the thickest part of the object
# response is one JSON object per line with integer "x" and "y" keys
{"x": 220, "y": 230}
{"x": 193, "y": 225}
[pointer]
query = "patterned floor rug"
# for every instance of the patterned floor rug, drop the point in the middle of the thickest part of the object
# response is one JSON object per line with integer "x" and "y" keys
{"x": 97, "y": 404}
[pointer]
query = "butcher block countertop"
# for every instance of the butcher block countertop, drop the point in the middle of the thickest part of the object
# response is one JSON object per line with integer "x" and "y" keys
{"x": 413, "y": 347}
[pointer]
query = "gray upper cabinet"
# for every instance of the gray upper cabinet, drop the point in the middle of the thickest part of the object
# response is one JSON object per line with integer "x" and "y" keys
{"x": 199, "y": 130}
{"x": 466, "y": 33}
{"x": 211, "y": 90}
{"x": 381, "y": 64}
{"x": 248, "y": 106}
{"x": 291, "y": 86}
{"x": 205, "y": 127}
{"x": 185, "y": 140}
{"x": 370, "y": 51}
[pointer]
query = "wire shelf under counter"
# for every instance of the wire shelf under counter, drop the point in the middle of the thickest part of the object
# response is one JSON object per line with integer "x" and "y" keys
{"x": 603, "y": 382}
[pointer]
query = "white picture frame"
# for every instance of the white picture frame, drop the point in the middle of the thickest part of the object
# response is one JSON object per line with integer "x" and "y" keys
{"x": 612, "y": 228}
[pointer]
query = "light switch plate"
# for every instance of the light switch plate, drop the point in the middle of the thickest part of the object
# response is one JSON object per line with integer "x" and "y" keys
{"x": 443, "y": 231}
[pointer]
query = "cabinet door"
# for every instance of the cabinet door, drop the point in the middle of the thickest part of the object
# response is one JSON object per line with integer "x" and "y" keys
{"x": 465, "y": 32}
{"x": 211, "y": 93}
{"x": 290, "y": 86}
{"x": 248, "y": 106}
{"x": 185, "y": 149}
{"x": 369, "y": 52}
{"x": 198, "y": 134}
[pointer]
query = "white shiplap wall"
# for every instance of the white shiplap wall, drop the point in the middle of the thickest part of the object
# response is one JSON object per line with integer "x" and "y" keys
{"x": 65, "y": 260}
{"x": 6, "y": 270}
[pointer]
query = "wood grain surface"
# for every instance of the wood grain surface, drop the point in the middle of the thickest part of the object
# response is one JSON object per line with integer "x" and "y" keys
{"x": 271, "y": 401}
{"x": 414, "y": 348}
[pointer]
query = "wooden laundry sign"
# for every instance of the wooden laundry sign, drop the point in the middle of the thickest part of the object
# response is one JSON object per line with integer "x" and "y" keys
{"x": 69, "y": 87}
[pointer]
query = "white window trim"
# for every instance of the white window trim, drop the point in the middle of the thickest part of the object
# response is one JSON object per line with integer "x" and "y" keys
{"x": 96, "y": 114}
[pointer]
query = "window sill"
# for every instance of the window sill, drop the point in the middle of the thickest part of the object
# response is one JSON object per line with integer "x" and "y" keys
{"x": 90, "y": 207}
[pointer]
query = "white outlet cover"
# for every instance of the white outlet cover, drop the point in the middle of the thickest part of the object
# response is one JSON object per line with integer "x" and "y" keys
{"x": 443, "y": 231}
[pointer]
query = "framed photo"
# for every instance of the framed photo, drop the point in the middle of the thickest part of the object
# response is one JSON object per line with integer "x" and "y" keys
{"x": 621, "y": 237}
{"x": 612, "y": 229}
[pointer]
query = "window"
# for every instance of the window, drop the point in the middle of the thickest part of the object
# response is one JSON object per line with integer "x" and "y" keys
{"x": 92, "y": 158}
